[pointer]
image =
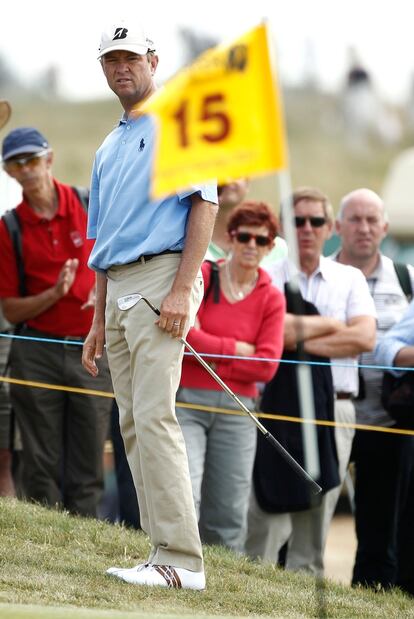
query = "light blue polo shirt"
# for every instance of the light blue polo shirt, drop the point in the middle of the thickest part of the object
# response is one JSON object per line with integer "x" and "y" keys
{"x": 122, "y": 218}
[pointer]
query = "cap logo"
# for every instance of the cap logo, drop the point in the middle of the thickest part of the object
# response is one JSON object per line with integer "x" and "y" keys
{"x": 120, "y": 33}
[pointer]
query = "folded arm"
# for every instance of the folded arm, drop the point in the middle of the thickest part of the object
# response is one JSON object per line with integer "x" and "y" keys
{"x": 356, "y": 337}
{"x": 303, "y": 328}
{"x": 396, "y": 347}
{"x": 405, "y": 357}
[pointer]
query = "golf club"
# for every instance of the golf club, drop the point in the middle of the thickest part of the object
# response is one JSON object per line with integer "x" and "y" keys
{"x": 130, "y": 300}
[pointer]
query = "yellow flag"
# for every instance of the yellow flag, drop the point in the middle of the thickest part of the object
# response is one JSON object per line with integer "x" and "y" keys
{"x": 220, "y": 118}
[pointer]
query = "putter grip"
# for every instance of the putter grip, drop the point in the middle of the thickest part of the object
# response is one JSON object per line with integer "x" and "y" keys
{"x": 316, "y": 489}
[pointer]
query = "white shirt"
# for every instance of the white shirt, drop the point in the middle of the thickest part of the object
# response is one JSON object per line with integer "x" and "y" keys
{"x": 10, "y": 192}
{"x": 338, "y": 291}
{"x": 391, "y": 303}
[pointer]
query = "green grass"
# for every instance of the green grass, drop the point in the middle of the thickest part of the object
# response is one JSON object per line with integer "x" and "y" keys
{"x": 53, "y": 560}
{"x": 18, "y": 611}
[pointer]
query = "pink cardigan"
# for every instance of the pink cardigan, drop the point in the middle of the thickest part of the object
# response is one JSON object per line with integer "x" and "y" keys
{"x": 257, "y": 319}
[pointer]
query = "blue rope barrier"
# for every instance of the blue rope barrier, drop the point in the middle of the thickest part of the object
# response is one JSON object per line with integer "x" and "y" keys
{"x": 235, "y": 357}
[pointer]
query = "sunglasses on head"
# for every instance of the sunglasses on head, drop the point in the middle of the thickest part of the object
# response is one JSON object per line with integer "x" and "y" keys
{"x": 246, "y": 237}
{"x": 315, "y": 222}
{"x": 31, "y": 161}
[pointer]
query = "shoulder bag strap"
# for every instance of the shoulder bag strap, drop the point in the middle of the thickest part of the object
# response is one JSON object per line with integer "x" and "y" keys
{"x": 12, "y": 223}
{"x": 404, "y": 279}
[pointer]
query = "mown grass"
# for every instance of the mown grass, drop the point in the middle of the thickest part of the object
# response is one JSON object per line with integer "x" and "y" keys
{"x": 54, "y": 560}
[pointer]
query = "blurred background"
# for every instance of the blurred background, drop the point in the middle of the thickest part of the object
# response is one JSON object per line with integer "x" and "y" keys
{"x": 345, "y": 70}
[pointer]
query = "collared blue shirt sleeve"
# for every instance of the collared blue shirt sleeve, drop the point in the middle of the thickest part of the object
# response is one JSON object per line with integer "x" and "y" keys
{"x": 399, "y": 336}
{"x": 207, "y": 192}
{"x": 93, "y": 198}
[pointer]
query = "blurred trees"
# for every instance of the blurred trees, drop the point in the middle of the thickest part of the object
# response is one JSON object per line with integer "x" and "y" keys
{"x": 44, "y": 85}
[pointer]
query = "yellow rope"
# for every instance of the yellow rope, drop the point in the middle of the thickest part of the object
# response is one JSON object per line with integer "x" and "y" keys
{"x": 212, "y": 409}
{"x": 31, "y": 383}
{"x": 317, "y": 422}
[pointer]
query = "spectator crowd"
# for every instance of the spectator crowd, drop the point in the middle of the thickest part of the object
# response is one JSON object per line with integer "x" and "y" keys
{"x": 260, "y": 318}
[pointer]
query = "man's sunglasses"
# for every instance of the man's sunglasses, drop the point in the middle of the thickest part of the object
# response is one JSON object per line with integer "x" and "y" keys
{"x": 31, "y": 161}
{"x": 246, "y": 237}
{"x": 315, "y": 222}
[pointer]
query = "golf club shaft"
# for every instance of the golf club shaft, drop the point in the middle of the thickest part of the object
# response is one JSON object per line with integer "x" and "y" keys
{"x": 267, "y": 435}
{"x": 316, "y": 489}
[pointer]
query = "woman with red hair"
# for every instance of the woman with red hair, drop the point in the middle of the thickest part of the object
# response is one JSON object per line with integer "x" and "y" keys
{"x": 240, "y": 318}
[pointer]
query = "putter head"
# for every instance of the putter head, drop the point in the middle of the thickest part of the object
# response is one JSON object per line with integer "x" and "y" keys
{"x": 129, "y": 300}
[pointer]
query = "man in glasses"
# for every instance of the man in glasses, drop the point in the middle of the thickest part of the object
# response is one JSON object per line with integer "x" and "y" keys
{"x": 46, "y": 288}
{"x": 382, "y": 477}
{"x": 344, "y": 328}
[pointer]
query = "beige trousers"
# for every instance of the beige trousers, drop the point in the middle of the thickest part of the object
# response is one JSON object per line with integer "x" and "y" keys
{"x": 305, "y": 531}
{"x": 145, "y": 365}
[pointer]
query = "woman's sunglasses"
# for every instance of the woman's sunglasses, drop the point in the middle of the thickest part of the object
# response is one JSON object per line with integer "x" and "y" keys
{"x": 246, "y": 237}
{"x": 315, "y": 222}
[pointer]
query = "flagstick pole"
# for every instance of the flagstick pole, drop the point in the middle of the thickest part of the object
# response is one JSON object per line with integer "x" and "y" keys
{"x": 303, "y": 371}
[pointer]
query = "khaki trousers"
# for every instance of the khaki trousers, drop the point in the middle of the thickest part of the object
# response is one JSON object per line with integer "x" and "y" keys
{"x": 145, "y": 365}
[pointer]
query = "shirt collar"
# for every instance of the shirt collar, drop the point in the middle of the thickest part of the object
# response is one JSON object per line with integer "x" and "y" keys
{"x": 28, "y": 215}
{"x": 125, "y": 118}
{"x": 322, "y": 269}
{"x": 377, "y": 272}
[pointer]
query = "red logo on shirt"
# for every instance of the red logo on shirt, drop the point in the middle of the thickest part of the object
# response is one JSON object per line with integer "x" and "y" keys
{"x": 76, "y": 238}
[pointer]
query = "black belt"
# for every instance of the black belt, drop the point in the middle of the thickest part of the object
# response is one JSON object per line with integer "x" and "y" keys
{"x": 70, "y": 341}
{"x": 147, "y": 257}
{"x": 343, "y": 395}
{"x": 66, "y": 339}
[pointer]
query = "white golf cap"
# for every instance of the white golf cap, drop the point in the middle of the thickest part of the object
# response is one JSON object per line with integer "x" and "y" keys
{"x": 125, "y": 36}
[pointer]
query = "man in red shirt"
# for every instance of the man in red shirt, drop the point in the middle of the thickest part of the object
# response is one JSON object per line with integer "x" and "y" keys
{"x": 63, "y": 433}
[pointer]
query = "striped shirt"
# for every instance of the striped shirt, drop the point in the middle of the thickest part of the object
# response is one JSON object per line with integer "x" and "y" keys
{"x": 391, "y": 303}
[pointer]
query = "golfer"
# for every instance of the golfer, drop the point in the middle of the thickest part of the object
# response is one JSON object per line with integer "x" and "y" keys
{"x": 154, "y": 248}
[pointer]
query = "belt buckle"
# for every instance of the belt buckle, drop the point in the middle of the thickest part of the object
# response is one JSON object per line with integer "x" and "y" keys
{"x": 343, "y": 395}
{"x": 69, "y": 342}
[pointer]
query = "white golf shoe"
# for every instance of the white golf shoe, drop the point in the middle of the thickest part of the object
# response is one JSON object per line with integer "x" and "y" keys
{"x": 160, "y": 576}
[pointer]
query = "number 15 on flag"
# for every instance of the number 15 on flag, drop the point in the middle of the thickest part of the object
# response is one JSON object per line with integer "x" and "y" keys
{"x": 220, "y": 118}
